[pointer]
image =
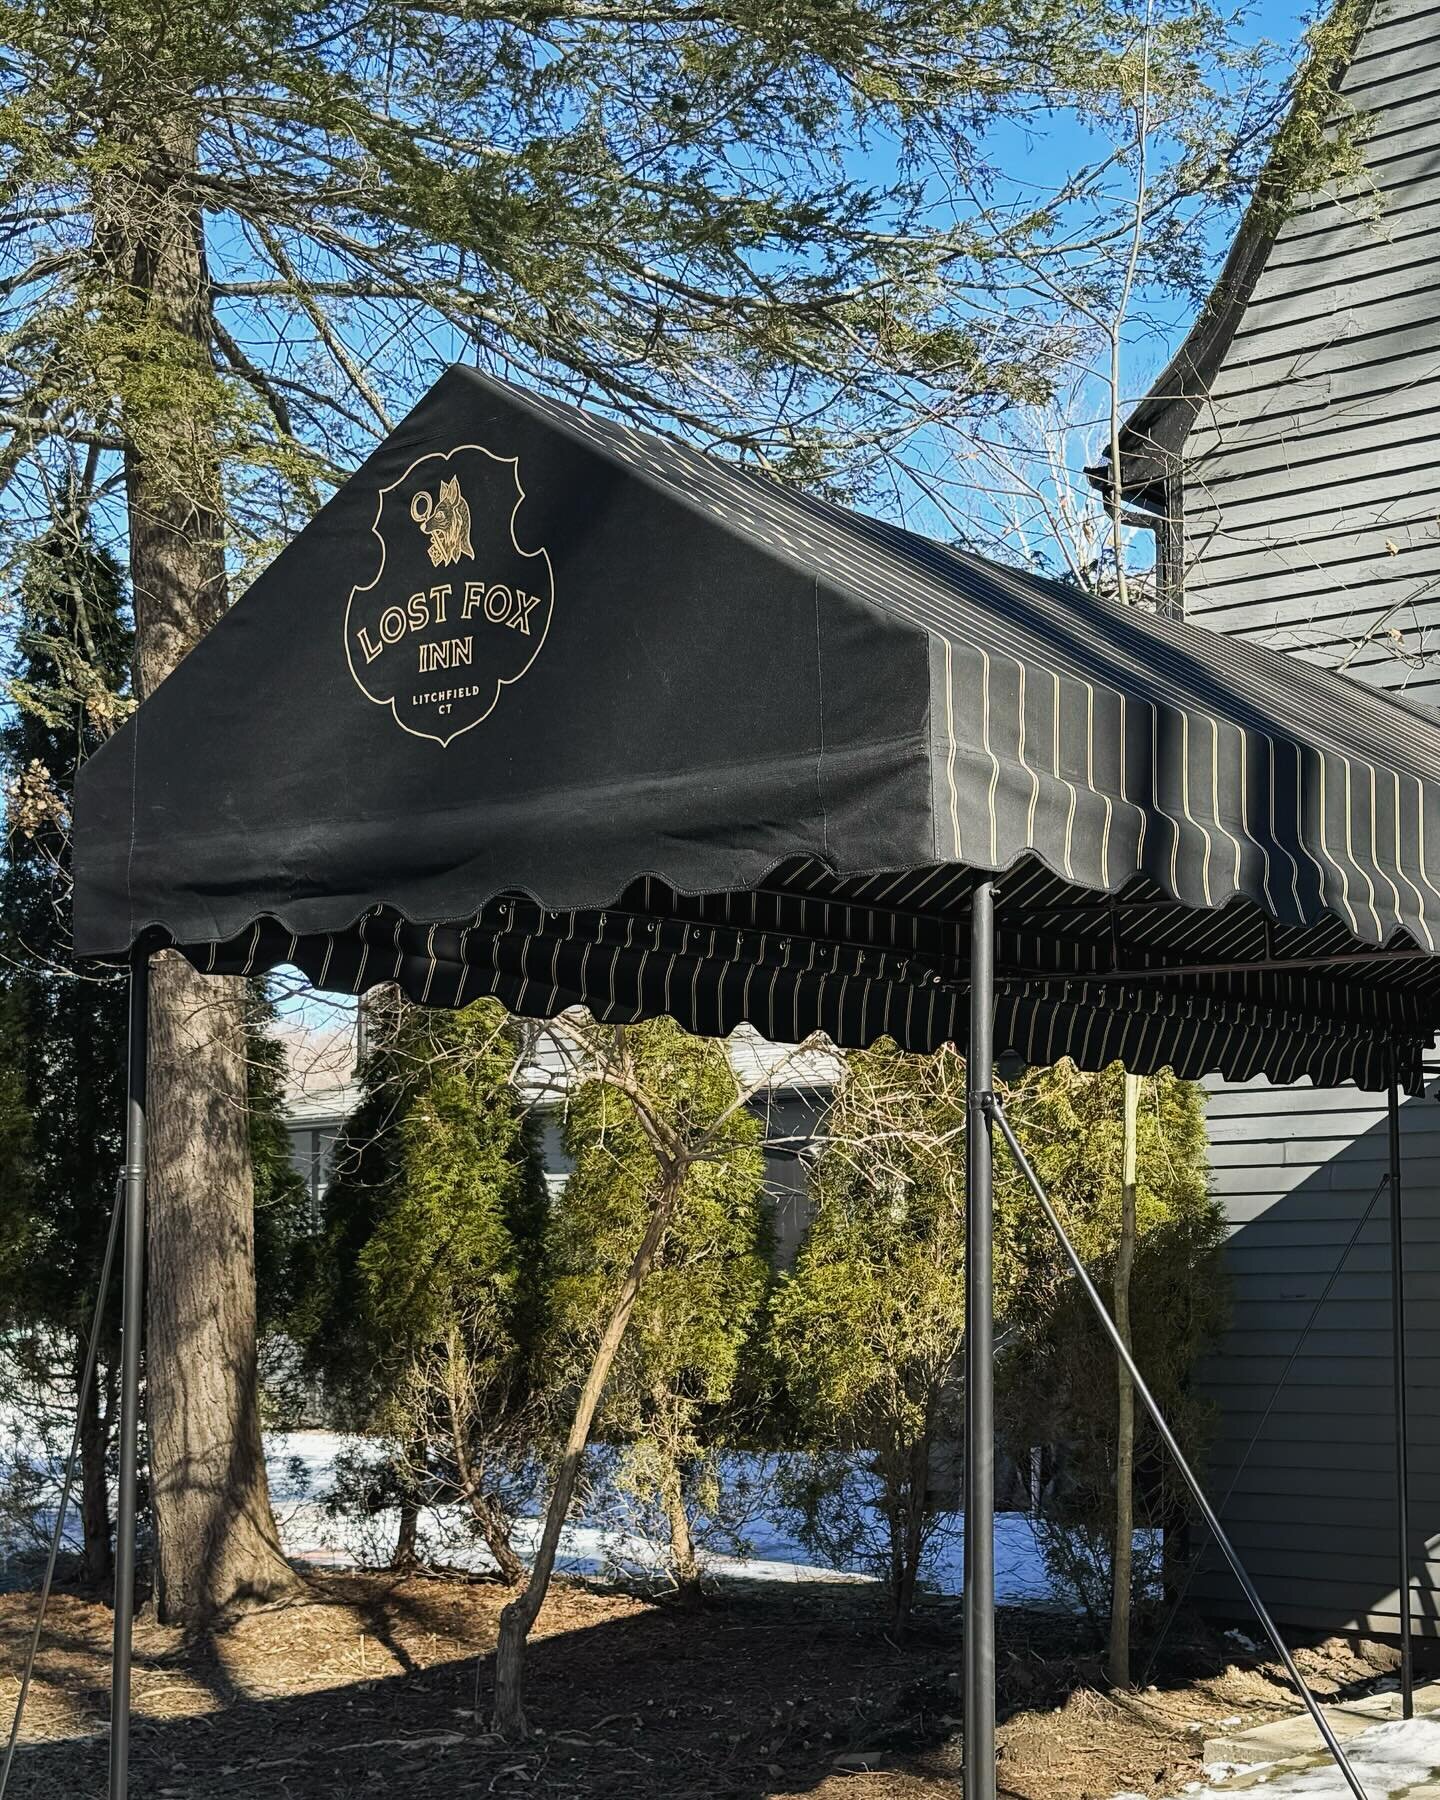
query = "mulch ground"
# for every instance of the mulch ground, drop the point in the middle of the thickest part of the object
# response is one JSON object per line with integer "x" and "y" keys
{"x": 372, "y": 1685}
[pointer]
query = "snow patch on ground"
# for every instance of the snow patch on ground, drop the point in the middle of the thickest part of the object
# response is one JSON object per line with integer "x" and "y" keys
{"x": 301, "y": 1467}
{"x": 1388, "y": 1760}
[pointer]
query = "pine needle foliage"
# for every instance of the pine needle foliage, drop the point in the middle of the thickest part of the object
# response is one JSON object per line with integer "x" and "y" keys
{"x": 62, "y": 1067}
{"x": 66, "y": 688}
{"x": 665, "y": 1406}
{"x": 418, "y": 1300}
{"x": 1058, "y": 1372}
{"x": 252, "y": 232}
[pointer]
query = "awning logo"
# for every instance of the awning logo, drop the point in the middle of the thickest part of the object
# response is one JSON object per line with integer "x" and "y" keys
{"x": 439, "y": 653}
{"x": 445, "y": 521}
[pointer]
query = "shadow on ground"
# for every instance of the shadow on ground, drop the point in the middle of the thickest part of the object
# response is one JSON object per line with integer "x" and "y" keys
{"x": 372, "y": 1689}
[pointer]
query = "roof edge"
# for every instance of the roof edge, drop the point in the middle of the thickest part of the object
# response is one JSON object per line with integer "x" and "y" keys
{"x": 1154, "y": 435}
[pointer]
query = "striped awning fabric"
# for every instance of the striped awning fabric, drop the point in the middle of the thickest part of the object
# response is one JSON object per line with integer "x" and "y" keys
{"x": 750, "y": 771}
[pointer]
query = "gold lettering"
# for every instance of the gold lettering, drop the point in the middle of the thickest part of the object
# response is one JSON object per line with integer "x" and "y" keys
{"x": 497, "y": 604}
{"x": 525, "y": 604}
{"x": 392, "y": 625}
{"x": 452, "y": 654}
{"x": 440, "y": 594}
{"x": 372, "y": 650}
{"x": 417, "y": 613}
{"x": 474, "y": 597}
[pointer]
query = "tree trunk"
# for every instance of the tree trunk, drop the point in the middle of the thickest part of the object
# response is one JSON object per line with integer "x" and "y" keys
{"x": 684, "y": 1563}
{"x": 1117, "y": 1665}
{"x": 520, "y": 1615}
{"x": 495, "y": 1529}
{"x": 406, "y": 1553}
{"x": 916, "y": 1500}
{"x": 95, "y": 1425}
{"x": 405, "y": 1556}
{"x": 216, "y": 1542}
{"x": 215, "y": 1538}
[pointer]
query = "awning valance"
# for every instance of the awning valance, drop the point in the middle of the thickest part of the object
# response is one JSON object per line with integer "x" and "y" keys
{"x": 542, "y": 707}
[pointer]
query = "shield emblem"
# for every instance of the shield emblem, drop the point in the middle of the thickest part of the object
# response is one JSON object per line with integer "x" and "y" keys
{"x": 457, "y": 610}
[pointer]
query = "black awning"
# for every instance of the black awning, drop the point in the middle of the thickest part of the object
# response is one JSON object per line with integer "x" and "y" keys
{"x": 542, "y": 707}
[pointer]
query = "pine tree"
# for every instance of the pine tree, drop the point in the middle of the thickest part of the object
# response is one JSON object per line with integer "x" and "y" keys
{"x": 282, "y": 1200}
{"x": 62, "y": 1063}
{"x": 237, "y": 238}
{"x": 66, "y": 1025}
{"x": 1057, "y": 1377}
{"x": 680, "y": 1360}
{"x": 867, "y": 1328}
{"x": 17, "y": 1171}
{"x": 419, "y": 1303}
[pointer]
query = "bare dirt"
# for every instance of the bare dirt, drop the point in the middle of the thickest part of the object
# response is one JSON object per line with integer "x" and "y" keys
{"x": 371, "y": 1687}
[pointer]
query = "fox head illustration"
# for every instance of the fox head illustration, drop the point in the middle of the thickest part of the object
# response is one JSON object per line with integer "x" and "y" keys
{"x": 446, "y": 525}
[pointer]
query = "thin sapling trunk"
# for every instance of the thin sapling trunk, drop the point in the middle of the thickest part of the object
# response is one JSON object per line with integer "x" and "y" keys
{"x": 520, "y": 1615}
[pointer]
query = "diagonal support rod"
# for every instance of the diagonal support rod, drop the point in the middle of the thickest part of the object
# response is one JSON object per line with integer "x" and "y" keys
{"x": 996, "y": 1112}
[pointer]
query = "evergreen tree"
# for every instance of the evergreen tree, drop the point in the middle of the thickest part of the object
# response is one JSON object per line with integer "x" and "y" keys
{"x": 67, "y": 1026}
{"x": 282, "y": 1199}
{"x": 418, "y": 1305}
{"x": 680, "y": 1360}
{"x": 1057, "y": 1382}
{"x": 239, "y": 237}
{"x": 867, "y": 1328}
{"x": 62, "y": 1065}
{"x": 16, "y": 1133}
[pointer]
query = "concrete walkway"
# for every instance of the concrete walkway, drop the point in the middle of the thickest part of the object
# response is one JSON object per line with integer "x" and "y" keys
{"x": 1284, "y": 1739}
{"x": 1294, "y": 1744}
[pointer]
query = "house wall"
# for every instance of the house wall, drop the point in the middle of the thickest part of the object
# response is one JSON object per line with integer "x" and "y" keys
{"x": 1311, "y": 493}
{"x": 1303, "y": 1452}
{"x": 1311, "y": 479}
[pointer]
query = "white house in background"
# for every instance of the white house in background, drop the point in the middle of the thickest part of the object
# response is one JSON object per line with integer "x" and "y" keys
{"x": 314, "y": 1121}
{"x": 792, "y": 1088}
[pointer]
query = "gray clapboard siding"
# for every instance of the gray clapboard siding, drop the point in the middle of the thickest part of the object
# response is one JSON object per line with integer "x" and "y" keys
{"x": 1328, "y": 452}
{"x": 1334, "y": 594}
{"x": 1297, "y": 434}
{"x": 1393, "y": 27}
{"x": 1379, "y": 496}
{"x": 1372, "y": 78}
{"x": 1308, "y": 256}
{"x": 1308, "y": 1464}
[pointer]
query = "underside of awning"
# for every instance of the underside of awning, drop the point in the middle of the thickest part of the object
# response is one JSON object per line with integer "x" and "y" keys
{"x": 542, "y": 708}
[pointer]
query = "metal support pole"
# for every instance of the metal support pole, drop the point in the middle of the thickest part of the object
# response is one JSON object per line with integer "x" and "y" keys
{"x": 1167, "y": 1437}
{"x": 980, "y": 1359}
{"x": 1402, "y": 1409}
{"x": 133, "y": 1273}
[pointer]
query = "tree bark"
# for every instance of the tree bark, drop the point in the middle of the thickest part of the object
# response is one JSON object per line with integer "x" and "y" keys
{"x": 495, "y": 1529}
{"x": 1121, "y": 1568}
{"x": 909, "y": 1506}
{"x": 216, "y": 1541}
{"x": 405, "y": 1555}
{"x": 95, "y": 1425}
{"x": 684, "y": 1563}
{"x": 520, "y": 1615}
